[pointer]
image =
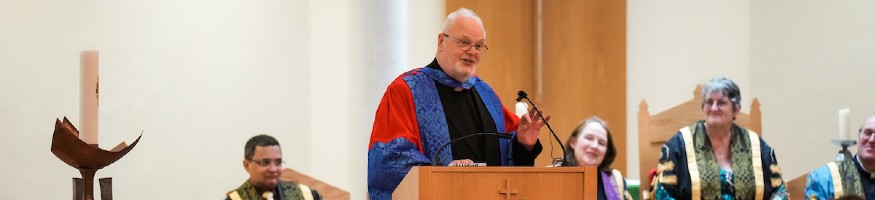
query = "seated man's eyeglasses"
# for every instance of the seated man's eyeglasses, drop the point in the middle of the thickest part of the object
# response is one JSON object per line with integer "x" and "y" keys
{"x": 266, "y": 162}
{"x": 867, "y": 133}
{"x": 467, "y": 44}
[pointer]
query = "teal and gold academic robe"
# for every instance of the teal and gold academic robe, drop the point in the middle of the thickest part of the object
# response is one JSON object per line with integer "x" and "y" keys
{"x": 688, "y": 168}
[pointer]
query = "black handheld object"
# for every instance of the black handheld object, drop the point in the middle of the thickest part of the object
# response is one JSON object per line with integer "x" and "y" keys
{"x": 522, "y": 95}
{"x": 437, "y": 157}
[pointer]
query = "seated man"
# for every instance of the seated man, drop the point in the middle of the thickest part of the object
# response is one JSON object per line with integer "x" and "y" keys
{"x": 848, "y": 178}
{"x": 263, "y": 160}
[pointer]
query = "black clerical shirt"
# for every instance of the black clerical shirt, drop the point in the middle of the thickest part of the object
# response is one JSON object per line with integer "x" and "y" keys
{"x": 866, "y": 178}
{"x": 467, "y": 114}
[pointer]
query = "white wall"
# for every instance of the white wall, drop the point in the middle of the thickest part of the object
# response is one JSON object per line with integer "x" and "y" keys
{"x": 330, "y": 80}
{"x": 199, "y": 78}
{"x": 804, "y": 60}
{"x": 808, "y": 60}
{"x": 426, "y": 21}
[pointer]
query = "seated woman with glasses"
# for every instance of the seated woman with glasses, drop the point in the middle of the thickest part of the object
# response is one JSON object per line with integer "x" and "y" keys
{"x": 851, "y": 178}
{"x": 263, "y": 160}
{"x": 591, "y": 144}
{"x": 717, "y": 159}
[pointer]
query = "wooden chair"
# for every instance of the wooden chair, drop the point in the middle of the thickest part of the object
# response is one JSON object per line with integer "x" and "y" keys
{"x": 655, "y": 130}
{"x": 796, "y": 186}
{"x": 328, "y": 192}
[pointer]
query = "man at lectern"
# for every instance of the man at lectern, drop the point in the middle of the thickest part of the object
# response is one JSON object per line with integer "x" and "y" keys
{"x": 855, "y": 176}
{"x": 263, "y": 159}
{"x": 427, "y": 107}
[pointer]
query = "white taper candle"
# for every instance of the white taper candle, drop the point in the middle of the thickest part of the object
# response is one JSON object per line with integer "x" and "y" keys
{"x": 844, "y": 120}
{"x": 88, "y": 98}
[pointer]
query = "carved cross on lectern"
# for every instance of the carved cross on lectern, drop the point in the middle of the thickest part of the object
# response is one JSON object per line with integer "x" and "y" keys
{"x": 507, "y": 191}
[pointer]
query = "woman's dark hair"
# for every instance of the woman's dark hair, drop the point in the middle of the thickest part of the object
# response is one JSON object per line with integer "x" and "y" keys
{"x": 610, "y": 152}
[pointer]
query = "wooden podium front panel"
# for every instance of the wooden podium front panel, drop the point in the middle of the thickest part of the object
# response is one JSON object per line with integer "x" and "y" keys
{"x": 498, "y": 183}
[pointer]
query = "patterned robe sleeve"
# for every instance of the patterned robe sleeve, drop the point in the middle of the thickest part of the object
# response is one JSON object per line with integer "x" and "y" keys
{"x": 666, "y": 185}
{"x": 775, "y": 187}
{"x": 395, "y": 144}
{"x": 819, "y": 184}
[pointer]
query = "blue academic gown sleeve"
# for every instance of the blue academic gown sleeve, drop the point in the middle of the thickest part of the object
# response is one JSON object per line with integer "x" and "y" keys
{"x": 819, "y": 184}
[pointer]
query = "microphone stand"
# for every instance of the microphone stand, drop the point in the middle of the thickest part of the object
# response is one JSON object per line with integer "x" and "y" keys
{"x": 564, "y": 162}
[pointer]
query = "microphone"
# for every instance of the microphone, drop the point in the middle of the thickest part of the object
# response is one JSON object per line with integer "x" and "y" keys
{"x": 437, "y": 155}
{"x": 522, "y": 95}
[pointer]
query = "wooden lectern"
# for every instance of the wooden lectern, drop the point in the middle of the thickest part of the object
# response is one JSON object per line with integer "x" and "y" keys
{"x": 498, "y": 183}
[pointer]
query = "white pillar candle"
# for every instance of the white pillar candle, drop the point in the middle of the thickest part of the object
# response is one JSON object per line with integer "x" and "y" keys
{"x": 521, "y": 109}
{"x": 88, "y": 97}
{"x": 844, "y": 120}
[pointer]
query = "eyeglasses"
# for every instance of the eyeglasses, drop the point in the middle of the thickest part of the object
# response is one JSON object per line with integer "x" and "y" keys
{"x": 867, "y": 133}
{"x": 266, "y": 162}
{"x": 718, "y": 103}
{"x": 467, "y": 44}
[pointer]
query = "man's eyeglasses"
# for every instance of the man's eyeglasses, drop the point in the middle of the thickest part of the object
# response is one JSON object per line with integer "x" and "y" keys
{"x": 867, "y": 133}
{"x": 266, "y": 162}
{"x": 467, "y": 44}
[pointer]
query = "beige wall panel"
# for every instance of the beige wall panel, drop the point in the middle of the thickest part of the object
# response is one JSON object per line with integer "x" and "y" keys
{"x": 584, "y": 73}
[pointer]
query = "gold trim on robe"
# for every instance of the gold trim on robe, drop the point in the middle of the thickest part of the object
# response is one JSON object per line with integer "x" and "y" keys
{"x": 838, "y": 190}
{"x": 692, "y": 164}
{"x": 757, "y": 159}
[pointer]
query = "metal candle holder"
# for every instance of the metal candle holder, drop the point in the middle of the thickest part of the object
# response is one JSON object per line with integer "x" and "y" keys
{"x": 844, "y": 153}
{"x": 87, "y": 158}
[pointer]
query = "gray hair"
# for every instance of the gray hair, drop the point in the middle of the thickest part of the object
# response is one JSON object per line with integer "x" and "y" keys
{"x": 462, "y": 12}
{"x": 725, "y": 86}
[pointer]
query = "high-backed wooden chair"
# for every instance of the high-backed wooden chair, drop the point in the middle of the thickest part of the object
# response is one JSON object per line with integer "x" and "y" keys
{"x": 328, "y": 192}
{"x": 655, "y": 130}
